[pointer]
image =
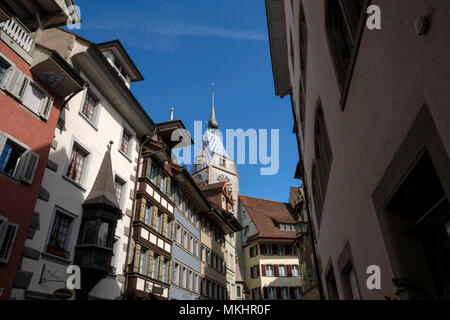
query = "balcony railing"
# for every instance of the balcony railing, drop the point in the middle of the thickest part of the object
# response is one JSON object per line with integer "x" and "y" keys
{"x": 19, "y": 33}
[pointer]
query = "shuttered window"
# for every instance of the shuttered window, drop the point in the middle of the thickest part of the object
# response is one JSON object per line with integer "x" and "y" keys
{"x": 8, "y": 232}
{"x": 17, "y": 160}
{"x": 3, "y": 68}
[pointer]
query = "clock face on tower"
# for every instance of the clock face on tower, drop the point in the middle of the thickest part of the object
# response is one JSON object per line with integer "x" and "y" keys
{"x": 224, "y": 178}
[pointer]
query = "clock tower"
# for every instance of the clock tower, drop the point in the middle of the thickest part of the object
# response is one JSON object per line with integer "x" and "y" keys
{"x": 212, "y": 163}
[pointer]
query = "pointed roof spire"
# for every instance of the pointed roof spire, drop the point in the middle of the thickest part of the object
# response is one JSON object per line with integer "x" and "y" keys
{"x": 212, "y": 123}
{"x": 102, "y": 191}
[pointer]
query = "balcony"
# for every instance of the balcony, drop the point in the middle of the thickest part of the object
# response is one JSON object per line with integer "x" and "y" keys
{"x": 18, "y": 33}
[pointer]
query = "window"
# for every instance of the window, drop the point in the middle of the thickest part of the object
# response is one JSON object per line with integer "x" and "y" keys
{"x": 351, "y": 284}
{"x": 176, "y": 274}
{"x": 184, "y": 241}
{"x": 255, "y": 294}
{"x": 165, "y": 275}
{"x": 172, "y": 191}
{"x": 125, "y": 142}
{"x": 195, "y": 283}
{"x": 343, "y": 19}
{"x": 10, "y": 157}
{"x": 254, "y": 272}
{"x": 153, "y": 174}
{"x": 159, "y": 222}
{"x": 177, "y": 234}
{"x": 203, "y": 254}
{"x": 298, "y": 293}
{"x": 303, "y": 45}
{"x": 195, "y": 251}
{"x": 58, "y": 243}
{"x": 3, "y": 68}
{"x": 27, "y": 92}
{"x": 32, "y": 98}
{"x": 282, "y": 270}
{"x": 253, "y": 251}
{"x": 89, "y": 106}
{"x": 223, "y": 162}
{"x": 189, "y": 280}
{"x": 323, "y": 153}
{"x": 118, "y": 189}
{"x": 156, "y": 266}
{"x": 238, "y": 291}
{"x": 148, "y": 215}
{"x": 271, "y": 293}
{"x": 76, "y": 164}
{"x": 208, "y": 257}
{"x": 270, "y": 271}
{"x": 317, "y": 194}
{"x": 295, "y": 270}
{"x": 169, "y": 229}
{"x": 331, "y": 286}
{"x": 181, "y": 276}
{"x": 142, "y": 269}
{"x": 8, "y": 232}
{"x": 281, "y": 251}
{"x": 266, "y": 249}
{"x": 285, "y": 293}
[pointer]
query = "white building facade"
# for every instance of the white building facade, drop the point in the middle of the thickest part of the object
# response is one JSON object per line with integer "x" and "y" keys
{"x": 104, "y": 114}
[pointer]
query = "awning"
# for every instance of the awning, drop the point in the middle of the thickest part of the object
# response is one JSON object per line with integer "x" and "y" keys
{"x": 55, "y": 72}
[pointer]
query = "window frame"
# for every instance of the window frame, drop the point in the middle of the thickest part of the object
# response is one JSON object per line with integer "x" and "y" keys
{"x": 70, "y": 239}
{"x": 121, "y": 201}
{"x": 18, "y": 169}
{"x": 75, "y": 143}
{"x": 343, "y": 75}
{"x": 89, "y": 91}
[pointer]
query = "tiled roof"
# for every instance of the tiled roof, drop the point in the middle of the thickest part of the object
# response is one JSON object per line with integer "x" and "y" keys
{"x": 264, "y": 212}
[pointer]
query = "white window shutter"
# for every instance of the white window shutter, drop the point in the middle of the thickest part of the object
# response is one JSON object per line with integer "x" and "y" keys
{"x": 10, "y": 80}
{"x": 29, "y": 163}
{"x": 3, "y": 138}
{"x": 46, "y": 107}
{"x": 21, "y": 83}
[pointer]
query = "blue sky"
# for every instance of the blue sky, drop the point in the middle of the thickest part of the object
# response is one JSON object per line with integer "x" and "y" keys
{"x": 181, "y": 47}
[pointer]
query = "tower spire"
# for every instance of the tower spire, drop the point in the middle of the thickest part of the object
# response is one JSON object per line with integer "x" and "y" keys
{"x": 212, "y": 123}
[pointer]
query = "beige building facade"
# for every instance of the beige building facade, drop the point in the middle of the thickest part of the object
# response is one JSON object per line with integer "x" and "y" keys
{"x": 372, "y": 123}
{"x": 268, "y": 258}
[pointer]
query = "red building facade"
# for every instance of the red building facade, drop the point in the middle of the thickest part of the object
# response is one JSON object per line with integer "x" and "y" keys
{"x": 34, "y": 83}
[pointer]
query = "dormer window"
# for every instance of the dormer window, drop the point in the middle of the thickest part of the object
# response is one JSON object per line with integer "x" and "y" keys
{"x": 118, "y": 67}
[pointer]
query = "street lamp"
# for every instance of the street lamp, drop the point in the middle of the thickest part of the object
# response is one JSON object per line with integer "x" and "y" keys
{"x": 302, "y": 228}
